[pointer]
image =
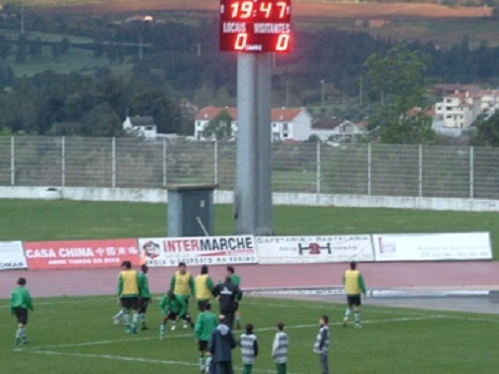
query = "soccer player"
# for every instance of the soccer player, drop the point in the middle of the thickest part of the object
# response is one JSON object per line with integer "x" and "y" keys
{"x": 145, "y": 295}
{"x": 249, "y": 349}
{"x": 20, "y": 304}
{"x": 206, "y": 323}
{"x": 354, "y": 285}
{"x": 173, "y": 307}
{"x": 182, "y": 284}
{"x": 203, "y": 285}
{"x": 128, "y": 293}
{"x": 280, "y": 349}
{"x": 321, "y": 345}
{"x": 235, "y": 279}
{"x": 121, "y": 312}
{"x": 227, "y": 295}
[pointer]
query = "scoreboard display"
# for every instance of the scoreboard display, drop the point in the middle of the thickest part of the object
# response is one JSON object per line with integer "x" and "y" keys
{"x": 255, "y": 25}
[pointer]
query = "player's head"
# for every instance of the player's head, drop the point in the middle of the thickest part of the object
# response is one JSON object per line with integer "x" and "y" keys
{"x": 144, "y": 268}
{"x": 123, "y": 264}
{"x": 170, "y": 295}
{"x": 207, "y": 306}
{"x": 181, "y": 267}
{"x": 204, "y": 269}
{"x": 221, "y": 319}
{"x": 21, "y": 281}
{"x": 249, "y": 328}
{"x": 353, "y": 265}
{"x": 127, "y": 265}
{"x": 280, "y": 326}
{"x": 324, "y": 320}
{"x": 230, "y": 270}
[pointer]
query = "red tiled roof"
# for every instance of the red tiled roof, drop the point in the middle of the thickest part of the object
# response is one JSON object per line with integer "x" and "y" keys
{"x": 326, "y": 123}
{"x": 277, "y": 114}
{"x": 210, "y": 112}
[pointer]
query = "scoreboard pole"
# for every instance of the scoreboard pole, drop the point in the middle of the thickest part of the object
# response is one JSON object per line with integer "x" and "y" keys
{"x": 253, "y": 195}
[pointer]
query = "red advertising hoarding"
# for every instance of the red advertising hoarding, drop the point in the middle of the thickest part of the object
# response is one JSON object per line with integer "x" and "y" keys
{"x": 76, "y": 254}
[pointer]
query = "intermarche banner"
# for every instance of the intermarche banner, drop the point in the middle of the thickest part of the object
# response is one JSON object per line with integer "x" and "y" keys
{"x": 314, "y": 249}
{"x": 12, "y": 256}
{"x": 432, "y": 247}
{"x": 210, "y": 250}
{"x": 81, "y": 254}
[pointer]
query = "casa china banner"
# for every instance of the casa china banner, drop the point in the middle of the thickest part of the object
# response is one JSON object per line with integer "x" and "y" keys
{"x": 431, "y": 247}
{"x": 81, "y": 254}
{"x": 314, "y": 249}
{"x": 12, "y": 256}
{"x": 210, "y": 250}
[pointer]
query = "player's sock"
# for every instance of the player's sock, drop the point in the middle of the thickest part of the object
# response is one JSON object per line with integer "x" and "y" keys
{"x": 347, "y": 313}
{"x": 161, "y": 331}
{"x": 135, "y": 322}
{"x": 357, "y": 317}
{"x": 208, "y": 362}
{"x": 143, "y": 319}
{"x": 202, "y": 363}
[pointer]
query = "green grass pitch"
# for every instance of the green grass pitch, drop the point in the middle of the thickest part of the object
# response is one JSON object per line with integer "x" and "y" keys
{"x": 75, "y": 335}
{"x": 65, "y": 220}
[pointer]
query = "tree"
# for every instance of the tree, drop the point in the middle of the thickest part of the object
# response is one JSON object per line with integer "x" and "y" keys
{"x": 398, "y": 81}
{"x": 488, "y": 132}
{"x": 219, "y": 127}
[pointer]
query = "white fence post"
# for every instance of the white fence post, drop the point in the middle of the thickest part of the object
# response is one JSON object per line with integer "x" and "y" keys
{"x": 12, "y": 161}
{"x": 420, "y": 167}
{"x": 215, "y": 177}
{"x": 369, "y": 171}
{"x": 165, "y": 170}
{"x": 318, "y": 169}
{"x": 472, "y": 177}
{"x": 63, "y": 161}
{"x": 113, "y": 163}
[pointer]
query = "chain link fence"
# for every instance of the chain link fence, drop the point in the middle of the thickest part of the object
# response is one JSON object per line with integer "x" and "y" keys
{"x": 365, "y": 169}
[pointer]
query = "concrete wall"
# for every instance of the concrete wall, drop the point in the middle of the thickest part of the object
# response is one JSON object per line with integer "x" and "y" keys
{"x": 226, "y": 197}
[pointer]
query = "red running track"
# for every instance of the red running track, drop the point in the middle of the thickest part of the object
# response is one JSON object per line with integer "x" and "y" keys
{"x": 448, "y": 275}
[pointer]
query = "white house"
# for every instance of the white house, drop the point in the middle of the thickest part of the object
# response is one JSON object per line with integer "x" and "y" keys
{"x": 286, "y": 123}
{"x": 340, "y": 131}
{"x": 458, "y": 110}
{"x": 141, "y": 126}
{"x": 489, "y": 101}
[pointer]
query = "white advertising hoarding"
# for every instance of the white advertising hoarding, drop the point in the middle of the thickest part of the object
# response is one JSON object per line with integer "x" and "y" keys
{"x": 12, "y": 256}
{"x": 210, "y": 250}
{"x": 432, "y": 247}
{"x": 314, "y": 249}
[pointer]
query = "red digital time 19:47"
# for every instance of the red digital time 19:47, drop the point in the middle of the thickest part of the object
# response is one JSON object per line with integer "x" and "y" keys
{"x": 255, "y": 25}
{"x": 256, "y": 10}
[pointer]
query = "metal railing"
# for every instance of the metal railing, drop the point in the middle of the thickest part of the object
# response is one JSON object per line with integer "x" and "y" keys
{"x": 362, "y": 169}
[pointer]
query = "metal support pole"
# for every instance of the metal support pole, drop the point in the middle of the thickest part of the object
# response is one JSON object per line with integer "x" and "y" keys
{"x": 165, "y": 170}
{"x": 472, "y": 172}
{"x": 113, "y": 163}
{"x": 369, "y": 170}
{"x": 12, "y": 161}
{"x": 420, "y": 181}
{"x": 253, "y": 194}
{"x": 318, "y": 188}
{"x": 63, "y": 161}
{"x": 215, "y": 159}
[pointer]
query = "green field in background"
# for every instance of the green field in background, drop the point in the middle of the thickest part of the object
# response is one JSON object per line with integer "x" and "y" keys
{"x": 65, "y": 220}
{"x": 75, "y": 335}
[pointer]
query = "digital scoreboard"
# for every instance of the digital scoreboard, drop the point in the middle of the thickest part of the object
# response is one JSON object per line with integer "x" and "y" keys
{"x": 255, "y": 25}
